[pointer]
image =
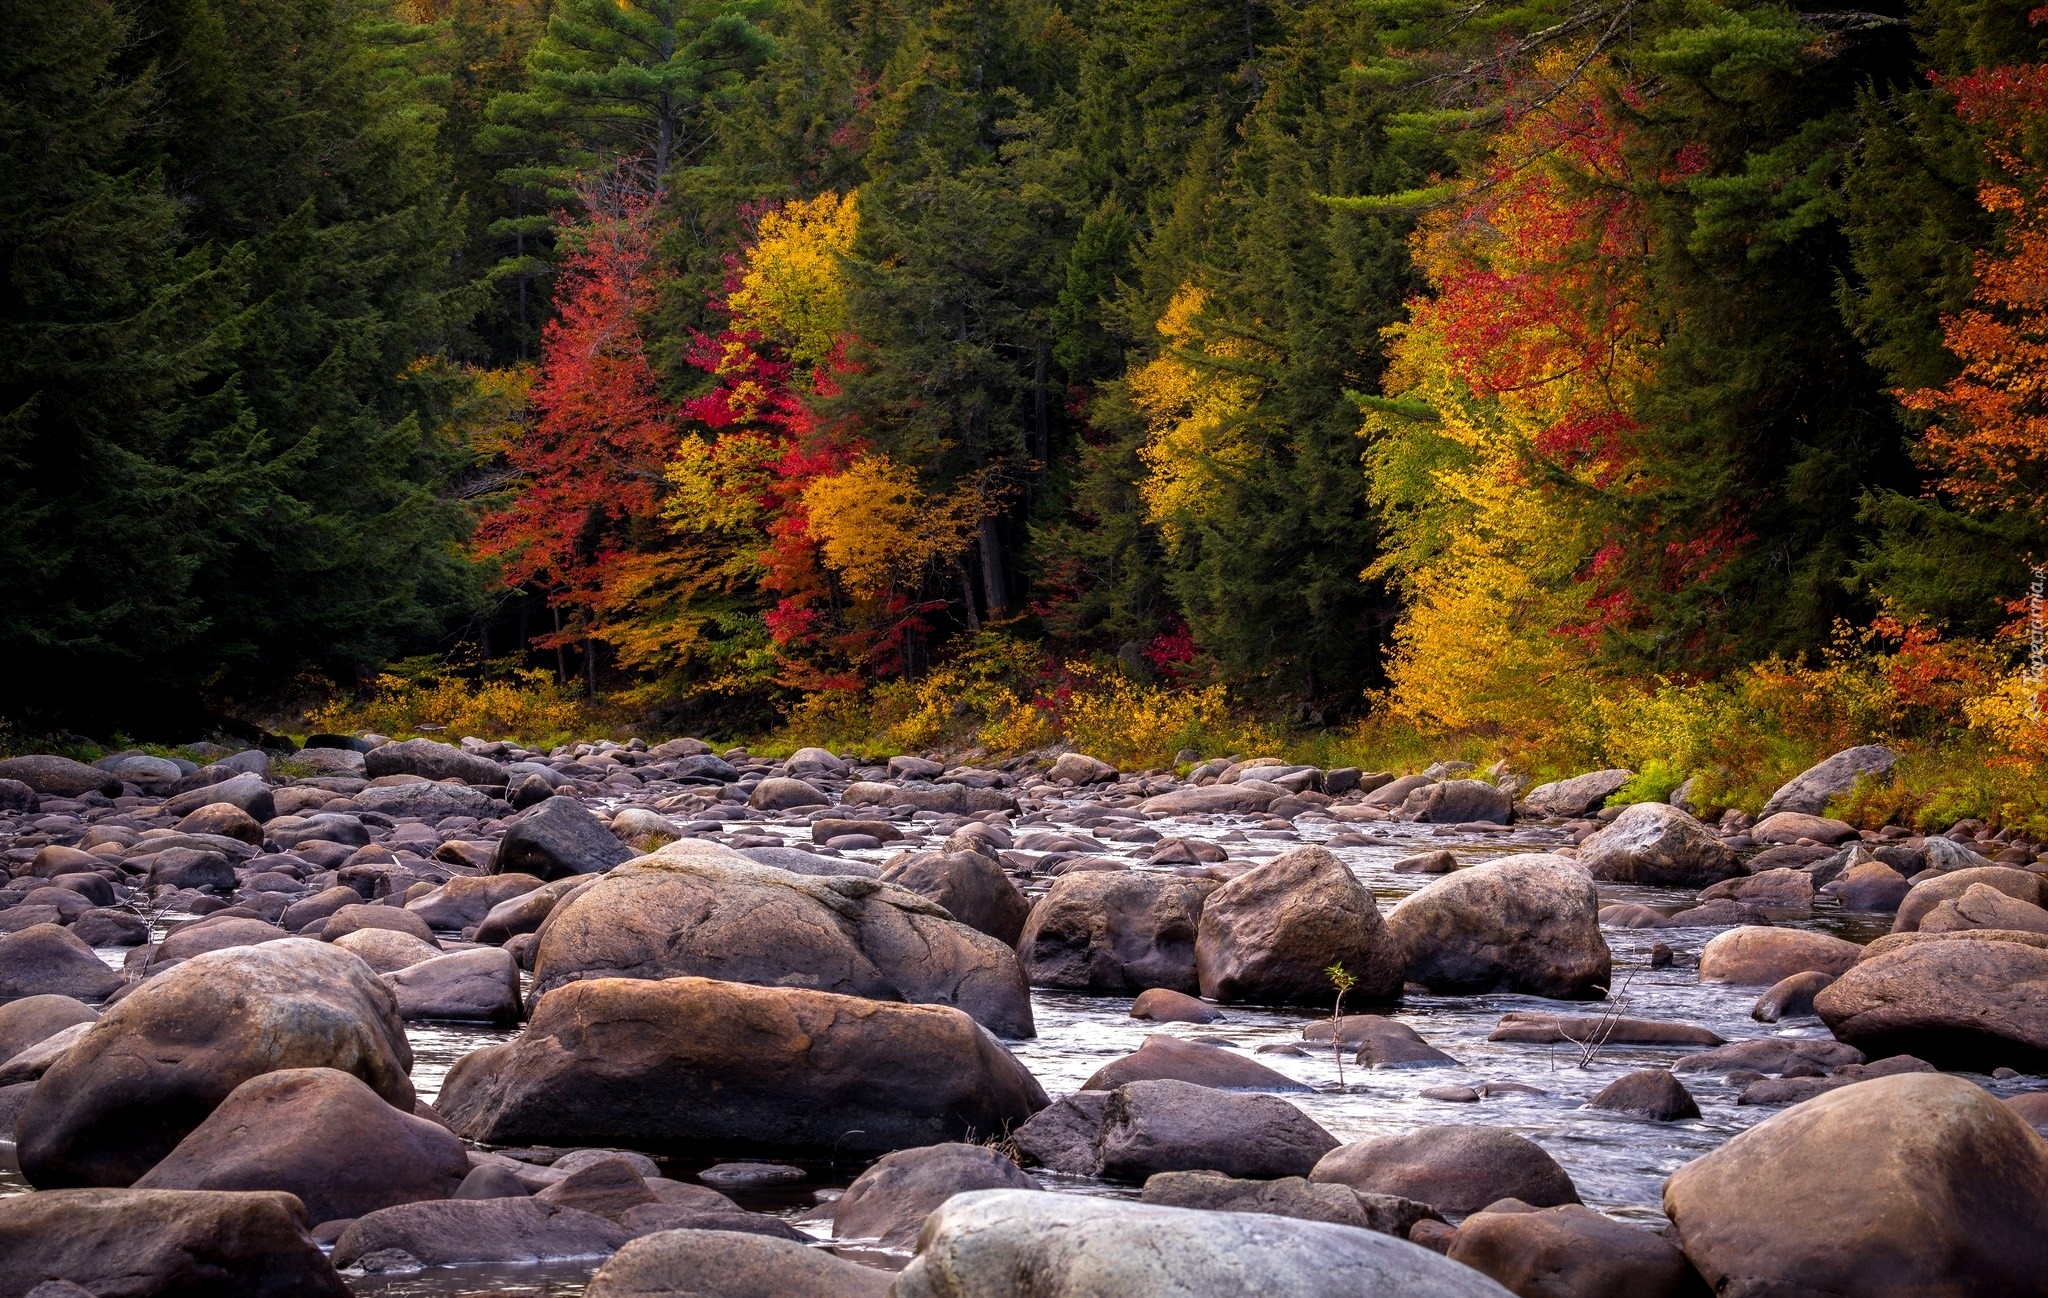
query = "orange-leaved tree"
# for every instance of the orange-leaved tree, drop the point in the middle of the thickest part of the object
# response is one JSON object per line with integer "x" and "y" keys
{"x": 1989, "y": 439}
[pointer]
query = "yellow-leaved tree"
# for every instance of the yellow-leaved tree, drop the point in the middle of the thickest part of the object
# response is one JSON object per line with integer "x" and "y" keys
{"x": 1506, "y": 419}
{"x": 1193, "y": 396}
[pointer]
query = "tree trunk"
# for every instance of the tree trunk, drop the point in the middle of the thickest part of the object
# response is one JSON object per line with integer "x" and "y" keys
{"x": 590, "y": 664}
{"x": 561, "y": 655}
{"x": 998, "y": 598}
{"x": 967, "y": 597}
{"x": 1042, "y": 448}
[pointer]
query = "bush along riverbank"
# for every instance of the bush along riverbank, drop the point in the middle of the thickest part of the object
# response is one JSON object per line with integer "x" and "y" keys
{"x": 708, "y": 1022}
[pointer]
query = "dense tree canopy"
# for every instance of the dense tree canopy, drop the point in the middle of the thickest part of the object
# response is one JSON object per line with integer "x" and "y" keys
{"x": 1351, "y": 353}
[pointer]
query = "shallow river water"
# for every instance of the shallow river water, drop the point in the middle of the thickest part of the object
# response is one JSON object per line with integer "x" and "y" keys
{"x": 1618, "y": 1162}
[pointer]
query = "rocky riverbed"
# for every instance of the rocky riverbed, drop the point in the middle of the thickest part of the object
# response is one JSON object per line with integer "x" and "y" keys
{"x": 495, "y": 1021}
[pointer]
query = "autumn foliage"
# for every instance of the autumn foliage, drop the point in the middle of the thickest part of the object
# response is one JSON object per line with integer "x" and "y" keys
{"x": 592, "y": 458}
{"x": 1989, "y": 441}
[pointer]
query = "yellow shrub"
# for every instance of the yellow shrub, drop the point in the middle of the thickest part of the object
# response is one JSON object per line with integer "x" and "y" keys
{"x": 526, "y": 705}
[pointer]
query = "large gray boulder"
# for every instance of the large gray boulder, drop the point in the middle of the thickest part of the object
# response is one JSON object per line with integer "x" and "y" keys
{"x": 1526, "y": 924}
{"x": 433, "y": 761}
{"x": 557, "y": 838}
{"x": 59, "y": 777}
{"x": 428, "y": 801}
{"x": 478, "y": 986}
{"x": 1017, "y": 1244}
{"x": 1655, "y": 842}
{"x": 1115, "y": 932}
{"x": 1268, "y": 935}
{"x": 689, "y": 1061}
{"x": 162, "y": 1058}
{"x": 249, "y": 793}
{"x": 1578, "y": 796}
{"x": 1917, "y": 1183}
{"x": 667, "y": 916}
{"x": 162, "y": 1244}
{"x": 1810, "y": 790}
{"x": 1928, "y": 893}
{"x": 1212, "y": 798}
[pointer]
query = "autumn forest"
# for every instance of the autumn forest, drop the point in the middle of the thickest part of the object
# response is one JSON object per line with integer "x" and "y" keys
{"x": 1579, "y": 371}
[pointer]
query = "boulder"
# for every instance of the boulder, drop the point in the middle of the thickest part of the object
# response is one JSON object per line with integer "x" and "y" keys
{"x": 432, "y": 761}
{"x": 59, "y": 777}
{"x": 480, "y": 986}
{"x": 1116, "y": 933}
{"x": 322, "y": 1135}
{"x": 1579, "y": 796}
{"x": 1269, "y": 934}
{"x": 1924, "y": 896}
{"x": 31, "y": 1063}
{"x": 1525, "y": 924}
{"x": 711, "y": 917}
{"x": 1656, "y": 843}
{"x": 226, "y": 820}
{"x": 890, "y": 1200}
{"x": 1648, "y": 1093}
{"x": 163, "y": 1057}
{"x": 724, "y": 1264}
{"x": 462, "y": 1232}
{"x": 972, "y": 888}
{"x": 1872, "y": 885}
{"x": 1379, "y": 1042}
{"x": 1212, "y": 798}
{"x": 1288, "y": 1196}
{"x": 528, "y": 911}
{"x": 47, "y": 960}
{"x": 1454, "y": 1169}
{"x": 559, "y": 837}
{"x": 1911, "y": 1184}
{"x": 288, "y": 832}
{"x": 1783, "y": 888}
{"x": 1538, "y": 1027}
{"x": 109, "y": 927}
{"x": 1171, "y": 1126}
{"x": 213, "y": 933}
{"x": 1079, "y": 768}
{"x": 1457, "y": 802}
{"x": 1770, "y": 1055}
{"x": 191, "y": 868}
{"x": 1795, "y": 826}
{"x": 1062, "y": 1136}
{"x": 780, "y": 794}
{"x": 31, "y": 1019}
{"x": 1810, "y": 790}
{"x": 1017, "y": 1244}
{"x": 1956, "y": 1004}
{"x": 1980, "y": 907}
{"x": 386, "y": 951}
{"x": 429, "y": 802}
{"x": 616, "y": 1061}
{"x": 1189, "y": 1061}
{"x": 1791, "y": 997}
{"x": 162, "y": 1244}
{"x": 465, "y": 900}
{"x": 1760, "y": 957}
{"x": 1395, "y": 792}
{"x": 1570, "y": 1251}
{"x": 356, "y": 917}
{"x": 1160, "y": 1005}
{"x": 1426, "y": 863}
{"x": 247, "y": 793}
